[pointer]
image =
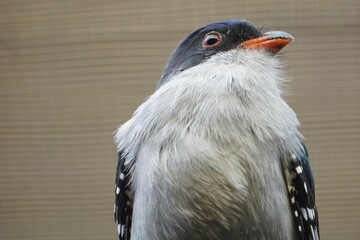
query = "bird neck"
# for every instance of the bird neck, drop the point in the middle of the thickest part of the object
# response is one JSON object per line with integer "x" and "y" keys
{"x": 225, "y": 98}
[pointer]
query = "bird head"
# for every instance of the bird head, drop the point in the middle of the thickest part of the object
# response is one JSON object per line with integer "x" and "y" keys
{"x": 219, "y": 38}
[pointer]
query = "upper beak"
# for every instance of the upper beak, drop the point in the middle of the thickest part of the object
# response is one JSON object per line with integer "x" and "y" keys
{"x": 271, "y": 41}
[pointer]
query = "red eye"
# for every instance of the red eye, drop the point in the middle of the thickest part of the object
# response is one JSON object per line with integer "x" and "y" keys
{"x": 211, "y": 39}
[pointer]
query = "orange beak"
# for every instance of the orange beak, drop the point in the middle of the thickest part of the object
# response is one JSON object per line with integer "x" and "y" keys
{"x": 271, "y": 41}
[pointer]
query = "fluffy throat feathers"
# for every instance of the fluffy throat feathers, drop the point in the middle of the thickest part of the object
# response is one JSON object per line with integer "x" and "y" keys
{"x": 244, "y": 80}
{"x": 224, "y": 98}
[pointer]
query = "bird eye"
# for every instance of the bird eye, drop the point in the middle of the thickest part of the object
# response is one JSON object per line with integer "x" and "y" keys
{"x": 211, "y": 39}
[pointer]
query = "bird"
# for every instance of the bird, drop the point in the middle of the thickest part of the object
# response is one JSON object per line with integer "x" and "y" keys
{"x": 215, "y": 152}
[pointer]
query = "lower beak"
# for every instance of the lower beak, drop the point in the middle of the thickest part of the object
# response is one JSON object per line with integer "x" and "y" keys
{"x": 271, "y": 41}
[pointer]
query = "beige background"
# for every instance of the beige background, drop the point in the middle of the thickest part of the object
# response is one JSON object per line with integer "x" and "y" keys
{"x": 72, "y": 71}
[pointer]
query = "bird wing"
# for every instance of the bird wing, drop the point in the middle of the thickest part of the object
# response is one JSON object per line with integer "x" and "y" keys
{"x": 301, "y": 190}
{"x": 122, "y": 205}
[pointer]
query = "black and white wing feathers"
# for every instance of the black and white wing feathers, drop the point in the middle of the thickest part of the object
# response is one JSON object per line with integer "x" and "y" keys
{"x": 122, "y": 205}
{"x": 301, "y": 191}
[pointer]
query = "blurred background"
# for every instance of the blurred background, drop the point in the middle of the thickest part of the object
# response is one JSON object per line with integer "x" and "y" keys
{"x": 72, "y": 71}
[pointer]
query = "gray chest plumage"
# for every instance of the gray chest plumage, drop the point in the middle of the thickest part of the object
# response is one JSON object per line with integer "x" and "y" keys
{"x": 205, "y": 154}
{"x": 210, "y": 192}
